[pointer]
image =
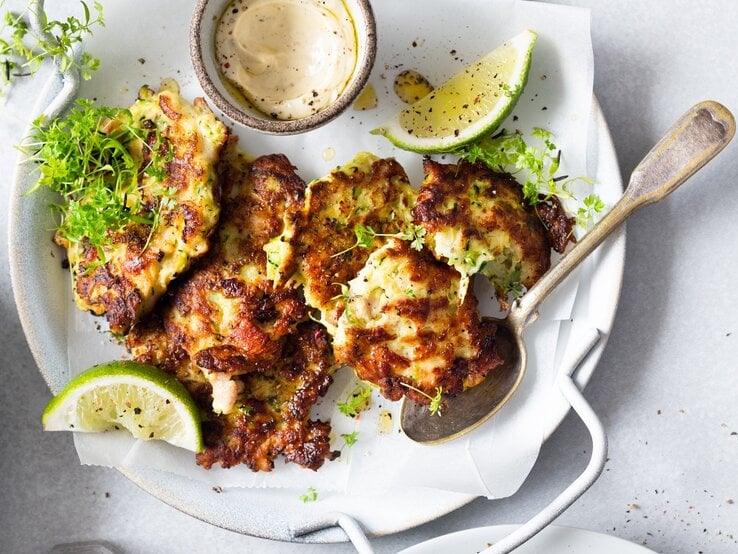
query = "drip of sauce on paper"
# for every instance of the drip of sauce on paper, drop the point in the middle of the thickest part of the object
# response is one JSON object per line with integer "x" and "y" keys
{"x": 410, "y": 86}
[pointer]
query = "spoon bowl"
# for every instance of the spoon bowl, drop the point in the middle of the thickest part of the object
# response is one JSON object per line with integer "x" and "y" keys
{"x": 697, "y": 137}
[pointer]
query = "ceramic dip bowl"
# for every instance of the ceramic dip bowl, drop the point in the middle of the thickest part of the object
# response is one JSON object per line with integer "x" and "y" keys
{"x": 262, "y": 30}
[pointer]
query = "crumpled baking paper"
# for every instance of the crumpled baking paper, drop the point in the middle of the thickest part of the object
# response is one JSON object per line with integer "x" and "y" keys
{"x": 436, "y": 38}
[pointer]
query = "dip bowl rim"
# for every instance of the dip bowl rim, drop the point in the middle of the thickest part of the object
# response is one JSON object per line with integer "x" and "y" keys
{"x": 202, "y": 51}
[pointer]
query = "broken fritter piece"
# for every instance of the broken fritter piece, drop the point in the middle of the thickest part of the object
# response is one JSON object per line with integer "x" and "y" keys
{"x": 176, "y": 153}
{"x": 406, "y": 330}
{"x": 559, "y": 225}
{"x": 477, "y": 220}
{"x": 367, "y": 194}
{"x": 272, "y": 415}
{"x": 227, "y": 314}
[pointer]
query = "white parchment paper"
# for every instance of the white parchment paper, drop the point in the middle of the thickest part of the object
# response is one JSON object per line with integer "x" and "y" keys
{"x": 436, "y": 38}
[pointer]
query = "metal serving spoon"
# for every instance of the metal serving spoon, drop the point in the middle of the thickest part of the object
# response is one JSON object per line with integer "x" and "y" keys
{"x": 691, "y": 142}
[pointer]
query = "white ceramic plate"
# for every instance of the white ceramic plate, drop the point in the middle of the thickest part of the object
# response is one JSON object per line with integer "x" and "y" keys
{"x": 552, "y": 540}
{"x": 126, "y": 47}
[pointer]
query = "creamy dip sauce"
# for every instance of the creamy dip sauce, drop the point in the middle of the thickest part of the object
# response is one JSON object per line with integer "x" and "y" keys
{"x": 289, "y": 58}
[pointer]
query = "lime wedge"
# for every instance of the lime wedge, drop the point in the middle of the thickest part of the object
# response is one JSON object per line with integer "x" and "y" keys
{"x": 470, "y": 104}
{"x": 146, "y": 401}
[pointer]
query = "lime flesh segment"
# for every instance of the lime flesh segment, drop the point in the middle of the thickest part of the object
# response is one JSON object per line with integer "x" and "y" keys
{"x": 472, "y": 103}
{"x": 143, "y": 399}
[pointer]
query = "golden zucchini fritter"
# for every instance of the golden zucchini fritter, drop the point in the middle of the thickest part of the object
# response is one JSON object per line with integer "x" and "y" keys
{"x": 180, "y": 146}
{"x": 405, "y": 326}
{"x": 227, "y": 314}
{"x": 234, "y": 338}
{"x": 477, "y": 221}
{"x": 367, "y": 193}
{"x": 272, "y": 415}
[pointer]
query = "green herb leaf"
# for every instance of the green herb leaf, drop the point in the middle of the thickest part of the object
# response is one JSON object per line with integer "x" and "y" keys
{"x": 365, "y": 236}
{"x": 310, "y": 496}
{"x": 350, "y": 439}
{"x": 435, "y": 404}
{"x": 436, "y": 401}
{"x": 535, "y": 166}
{"x": 358, "y": 401}
{"x": 593, "y": 205}
{"x": 22, "y": 50}
{"x": 415, "y": 234}
{"x": 84, "y": 158}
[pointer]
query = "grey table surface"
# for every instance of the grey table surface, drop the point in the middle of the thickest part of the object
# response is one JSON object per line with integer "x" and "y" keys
{"x": 666, "y": 387}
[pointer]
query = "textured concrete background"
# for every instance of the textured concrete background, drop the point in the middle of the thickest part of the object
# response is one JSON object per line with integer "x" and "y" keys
{"x": 666, "y": 387}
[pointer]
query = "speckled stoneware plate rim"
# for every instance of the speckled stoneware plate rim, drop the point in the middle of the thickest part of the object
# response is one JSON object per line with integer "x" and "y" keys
{"x": 267, "y": 513}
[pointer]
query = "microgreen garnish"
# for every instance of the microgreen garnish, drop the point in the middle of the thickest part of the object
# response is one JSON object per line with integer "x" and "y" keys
{"x": 365, "y": 236}
{"x": 85, "y": 159}
{"x": 435, "y": 404}
{"x": 344, "y": 294}
{"x": 350, "y": 439}
{"x": 415, "y": 234}
{"x": 22, "y": 50}
{"x": 346, "y": 298}
{"x": 593, "y": 204}
{"x": 310, "y": 496}
{"x": 356, "y": 402}
{"x": 512, "y": 283}
{"x": 436, "y": 400}
{"x": 536, "y": 166}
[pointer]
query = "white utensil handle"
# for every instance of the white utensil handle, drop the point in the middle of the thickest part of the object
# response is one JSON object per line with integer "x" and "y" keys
{"x": 561, "y": 503}
{"x": 547, "y": 515}
{"x": 337, "y": 519}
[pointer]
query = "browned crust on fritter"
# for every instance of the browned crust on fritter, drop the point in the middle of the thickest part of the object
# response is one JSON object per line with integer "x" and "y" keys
{"x": 280, "y": 367}
{"x": 479, "y": 202}
{"x": 559, "y": 227}
{"x": 257, "y": 197}
{"x": 320, "y": 238}
{"x": 273, "y": 415}
{"x": 148, "y": 343}
{"x": 444, "y": 330}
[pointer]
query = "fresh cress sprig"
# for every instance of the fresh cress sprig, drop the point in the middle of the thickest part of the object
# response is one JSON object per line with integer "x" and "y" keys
{"x": 310, "y": 496}
{"x": 85, "y": 158}
{"x": 356, "y": 402}
{"x": 22, "y": 49}
{"x": 92, "y": 171}
{"x": 350, "y": 439}
{"x": 365, "y": 236}
{"x": 436, "y": 401}
{"x": 536, "y": 166}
